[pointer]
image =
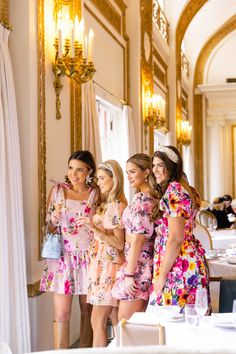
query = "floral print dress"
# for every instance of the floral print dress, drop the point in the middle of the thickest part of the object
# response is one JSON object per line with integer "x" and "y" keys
{"x": 136, "y": 219}
{"x": 104, "y": 258}
{"x": 189, "y": 270}
{"x": 68, "y": 274}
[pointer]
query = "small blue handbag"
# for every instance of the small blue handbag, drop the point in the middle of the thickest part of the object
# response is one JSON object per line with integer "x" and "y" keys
{"x": 52, "y": 246}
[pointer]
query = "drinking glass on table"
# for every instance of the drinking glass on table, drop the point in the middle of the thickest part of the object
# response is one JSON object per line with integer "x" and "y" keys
{"x": 214, "y": 224}
{"x": 191, "y": 316}
{"x": 201, "y": 302}
{"x": 210, "y": 224}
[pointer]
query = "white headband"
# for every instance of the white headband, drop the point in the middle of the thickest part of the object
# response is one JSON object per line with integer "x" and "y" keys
{"x": 169, "y": 152}
{"x": 106, "y": 167}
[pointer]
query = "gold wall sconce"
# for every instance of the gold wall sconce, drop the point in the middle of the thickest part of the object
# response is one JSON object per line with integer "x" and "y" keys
{"x": 184, "y": 130}
{"x": 73, "y": 50}
{"x": 154, "y": 110}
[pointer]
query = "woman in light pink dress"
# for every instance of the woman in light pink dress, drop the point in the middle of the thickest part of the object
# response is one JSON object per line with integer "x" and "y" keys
{"x": 106, "y": 251}
{"x": 134, "y": 277}
{"x": 67, "y": 276}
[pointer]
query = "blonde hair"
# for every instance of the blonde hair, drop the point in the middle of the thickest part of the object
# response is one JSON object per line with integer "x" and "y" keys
{"x": 113, "y": 169}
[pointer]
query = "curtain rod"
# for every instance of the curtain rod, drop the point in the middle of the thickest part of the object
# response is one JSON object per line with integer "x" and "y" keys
{"x": 109, "y": 93}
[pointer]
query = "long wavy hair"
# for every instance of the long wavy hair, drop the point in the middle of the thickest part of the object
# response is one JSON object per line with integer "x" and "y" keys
{"x": 175, "y": 173}
{"x": 144, "y": 162}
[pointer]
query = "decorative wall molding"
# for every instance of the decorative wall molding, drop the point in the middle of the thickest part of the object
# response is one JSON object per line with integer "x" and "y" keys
{"x": 203, "y": 57}
{"x": 147, "y": 83}
{"x": 228, "y": 27}
{"x": 188, "y": 13}
{"x": 120, "y": 37}
{"x": 109, "y": 12}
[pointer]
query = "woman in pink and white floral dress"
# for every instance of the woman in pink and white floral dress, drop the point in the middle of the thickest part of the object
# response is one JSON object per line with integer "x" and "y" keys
{"x": 179, "y": 263}
{"x": 134, "y": 277}
{"x": 67, "y": 276}
{"x": 106, "y": 252}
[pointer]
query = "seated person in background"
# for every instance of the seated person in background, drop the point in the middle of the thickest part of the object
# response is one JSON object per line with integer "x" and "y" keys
{"x": 227, "y": 200}
{"x": 219, "y": 211}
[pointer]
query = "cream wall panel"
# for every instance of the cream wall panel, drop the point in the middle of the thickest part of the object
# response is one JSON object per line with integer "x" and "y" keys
{"x": 108, "y": 58}
{"x": 222, "y": 63}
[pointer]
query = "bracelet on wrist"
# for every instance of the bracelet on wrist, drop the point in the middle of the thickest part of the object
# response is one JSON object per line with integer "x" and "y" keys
{"x": 129, "y": 275}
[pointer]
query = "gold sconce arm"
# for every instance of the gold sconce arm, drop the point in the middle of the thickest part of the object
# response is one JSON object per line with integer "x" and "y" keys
{"x": 73, "y": 52}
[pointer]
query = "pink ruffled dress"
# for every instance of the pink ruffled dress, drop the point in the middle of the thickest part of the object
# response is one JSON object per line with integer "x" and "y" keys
{"x": 136, "y": 219}
{"x": 69, "y": 273}
{"x": 104, "y": 258}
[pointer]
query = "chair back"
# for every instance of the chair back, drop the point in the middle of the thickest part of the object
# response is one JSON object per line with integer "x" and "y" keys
{"x": 140, "y": 329}
{"x": 204, "y": 216}
{"x": 202, "y": 234}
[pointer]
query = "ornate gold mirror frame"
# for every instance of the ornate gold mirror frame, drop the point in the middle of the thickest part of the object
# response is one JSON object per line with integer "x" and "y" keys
{"x": 75, "y": 110}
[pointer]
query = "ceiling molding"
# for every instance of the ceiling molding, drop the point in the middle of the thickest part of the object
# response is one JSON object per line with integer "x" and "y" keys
{"x": 228, "y": 27}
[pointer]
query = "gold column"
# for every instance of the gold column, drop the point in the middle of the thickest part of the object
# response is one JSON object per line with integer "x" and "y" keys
{"x": 147, "y": 83}
{"x": 4, "y": 13}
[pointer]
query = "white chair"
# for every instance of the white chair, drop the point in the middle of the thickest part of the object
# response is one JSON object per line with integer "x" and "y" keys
{"x": 202, "y": 234}
{"x": 141, "y": 329}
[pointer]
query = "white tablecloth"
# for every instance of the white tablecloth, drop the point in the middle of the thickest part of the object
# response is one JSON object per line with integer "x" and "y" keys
{"x": 223, "y": 238}
{"x": 206, "y": 338}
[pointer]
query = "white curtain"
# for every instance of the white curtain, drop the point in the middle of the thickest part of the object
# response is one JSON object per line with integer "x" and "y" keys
{"x": 14, "y": 314}
{"x": 128, "y": 127}
{"x": 128, "y": 145}
{"x": 90, "y": 125}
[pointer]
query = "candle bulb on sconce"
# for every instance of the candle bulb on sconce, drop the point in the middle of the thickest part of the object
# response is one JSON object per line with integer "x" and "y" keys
{"x": 74, "y": 54}
{"x": 154, "y": 110}
{"x": 184, "y": 132}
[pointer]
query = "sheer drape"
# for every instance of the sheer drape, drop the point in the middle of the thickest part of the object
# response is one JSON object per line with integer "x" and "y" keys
{"x": 91, "y": 136}
{"x": 128, "y": 143}
{"x": 14, "y": 315}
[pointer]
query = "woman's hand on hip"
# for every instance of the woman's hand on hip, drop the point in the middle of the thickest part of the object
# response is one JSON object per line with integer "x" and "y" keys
{"x": 130, "y": 286}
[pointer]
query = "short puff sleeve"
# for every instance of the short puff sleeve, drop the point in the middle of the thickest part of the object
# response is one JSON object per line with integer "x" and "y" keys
{"x": 113, "y": 215}
{"x": 176, "y": 202}
{"x": 137, "y": 215}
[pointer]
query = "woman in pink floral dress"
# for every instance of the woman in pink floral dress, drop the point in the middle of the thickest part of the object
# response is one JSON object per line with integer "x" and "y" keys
{"x": 134, "y": 277}
{"x": 179, "y": 264}
{"x": 106, "y": 252}
{"x": 67, "y": 276}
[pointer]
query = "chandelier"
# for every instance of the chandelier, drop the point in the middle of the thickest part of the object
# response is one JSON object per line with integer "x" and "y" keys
{"x": 73, "y": 53}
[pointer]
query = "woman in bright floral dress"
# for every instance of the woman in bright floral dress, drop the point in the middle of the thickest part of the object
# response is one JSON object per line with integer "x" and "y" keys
{"x": 179, "y": 263}
{"x": 67, "y": 276}
{"x": 106, "y": 252}
{"x": 134, "y": 277}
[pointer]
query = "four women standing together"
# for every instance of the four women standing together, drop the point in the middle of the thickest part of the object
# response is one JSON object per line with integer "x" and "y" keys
{"x": 132, "y": 253}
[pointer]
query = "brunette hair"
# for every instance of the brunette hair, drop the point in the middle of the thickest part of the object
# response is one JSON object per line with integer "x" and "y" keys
{"x": 86, "y": 157}
{"x": 175, "y": 173}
